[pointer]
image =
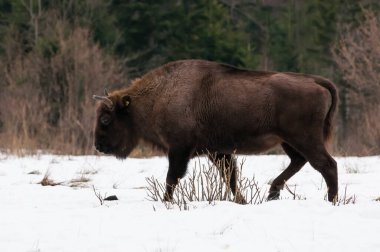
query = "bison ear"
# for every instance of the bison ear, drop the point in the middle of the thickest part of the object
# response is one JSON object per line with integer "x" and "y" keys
{"x": 125, "y": 102}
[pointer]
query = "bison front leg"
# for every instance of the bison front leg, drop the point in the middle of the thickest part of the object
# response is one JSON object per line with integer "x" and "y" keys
{"x": 178, "y": 159}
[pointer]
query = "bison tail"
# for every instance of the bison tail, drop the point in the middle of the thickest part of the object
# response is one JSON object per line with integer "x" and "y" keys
{"x": 328, "y": 126}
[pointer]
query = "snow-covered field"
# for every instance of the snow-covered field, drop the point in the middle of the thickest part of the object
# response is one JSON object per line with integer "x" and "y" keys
{"x": 65, "y": 218}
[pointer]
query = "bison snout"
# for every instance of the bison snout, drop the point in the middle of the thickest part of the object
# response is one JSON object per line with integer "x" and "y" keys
{"x": 102, "y": 147}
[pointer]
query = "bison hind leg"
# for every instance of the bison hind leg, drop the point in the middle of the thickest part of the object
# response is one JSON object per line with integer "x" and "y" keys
{"x": 297, "y": 161}
{"x": 314, "y": 151}
{"x": 327, "y": 166}
{"x": 227, "y": 167}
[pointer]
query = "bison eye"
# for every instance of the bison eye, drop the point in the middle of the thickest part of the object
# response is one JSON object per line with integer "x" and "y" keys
{"x": 105, "y": 119}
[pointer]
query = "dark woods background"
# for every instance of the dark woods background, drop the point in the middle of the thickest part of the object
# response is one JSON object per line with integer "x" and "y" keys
{"x": 55, "y": 54}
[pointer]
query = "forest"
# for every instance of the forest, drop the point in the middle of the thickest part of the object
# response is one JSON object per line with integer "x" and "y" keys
{"x": 55, "y": 54}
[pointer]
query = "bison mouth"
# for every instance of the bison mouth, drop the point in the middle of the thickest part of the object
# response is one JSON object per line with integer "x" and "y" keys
{"x": 118, "y": 153}
{"x": 122, "y": 153}
{"x": 119, "y": 150}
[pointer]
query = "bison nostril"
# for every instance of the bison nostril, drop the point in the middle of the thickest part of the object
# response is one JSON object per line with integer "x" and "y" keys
{"x": 99, "y": 147}
{"x": 103, "y": 148}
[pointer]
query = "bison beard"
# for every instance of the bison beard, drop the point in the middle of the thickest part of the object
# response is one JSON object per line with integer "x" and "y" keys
{"x": 192, "y": 107}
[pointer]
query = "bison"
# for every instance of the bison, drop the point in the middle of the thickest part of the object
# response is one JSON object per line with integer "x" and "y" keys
{"x": 192, "y": 107}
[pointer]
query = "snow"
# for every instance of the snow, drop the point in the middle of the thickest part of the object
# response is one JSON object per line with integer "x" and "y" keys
{"x": 64, "y": 218}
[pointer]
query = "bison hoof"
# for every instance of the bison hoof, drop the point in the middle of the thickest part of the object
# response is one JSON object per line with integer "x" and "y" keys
{"x": 333, "y": 198}
{"x": 168, "y": 197}
{"x": 273, "y": 195}
{"x": 240, "y": 199}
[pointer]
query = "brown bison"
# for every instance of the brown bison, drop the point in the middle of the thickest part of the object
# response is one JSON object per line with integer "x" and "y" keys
{"x": 194, "y": 106}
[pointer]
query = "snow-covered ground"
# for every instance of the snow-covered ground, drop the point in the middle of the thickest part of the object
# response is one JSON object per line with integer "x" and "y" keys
{"x": 65, "y": 218}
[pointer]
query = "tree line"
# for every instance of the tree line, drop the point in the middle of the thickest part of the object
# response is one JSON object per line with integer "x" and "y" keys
{"x": 55, "y": 54}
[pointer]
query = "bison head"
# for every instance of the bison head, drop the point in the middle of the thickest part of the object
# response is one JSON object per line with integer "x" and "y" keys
{"x": 114, "y": 132}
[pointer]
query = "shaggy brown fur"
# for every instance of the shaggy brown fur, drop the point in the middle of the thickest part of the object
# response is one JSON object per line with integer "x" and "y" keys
{"x": 196, "y": 106}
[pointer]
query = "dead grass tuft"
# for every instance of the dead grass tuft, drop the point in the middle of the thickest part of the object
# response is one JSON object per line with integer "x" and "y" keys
{"x": 80, "y": 181}
{"x": 34, "y": 172}
{"x": 89, "y": 172}
{"x": 344, "y": 200}
{"x": 46, "y": 181}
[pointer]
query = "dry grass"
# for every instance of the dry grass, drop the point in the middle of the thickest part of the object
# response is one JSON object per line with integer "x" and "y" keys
{"x": 80, "y": 181}
{"x": 88, "y": 172}
{"x": 353, "y": 169}
{"x": 34, "y": 172}
{"x": 46, "y": 181}
{"x": 345, "y": 199}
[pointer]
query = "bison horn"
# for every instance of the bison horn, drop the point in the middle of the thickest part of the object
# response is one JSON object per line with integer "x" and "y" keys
{"x": 106, "y": 92}
{"x": 104, "y": 99}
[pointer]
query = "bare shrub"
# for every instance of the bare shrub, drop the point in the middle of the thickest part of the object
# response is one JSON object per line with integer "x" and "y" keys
{"x": 98, "y": 195}
{"x": 104, "y": 197}
{"x": 293, "y": 193}
{"x": 46, "y": 89}
{"x": 357, "y": 55}
{"x": 205, "y": 183}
